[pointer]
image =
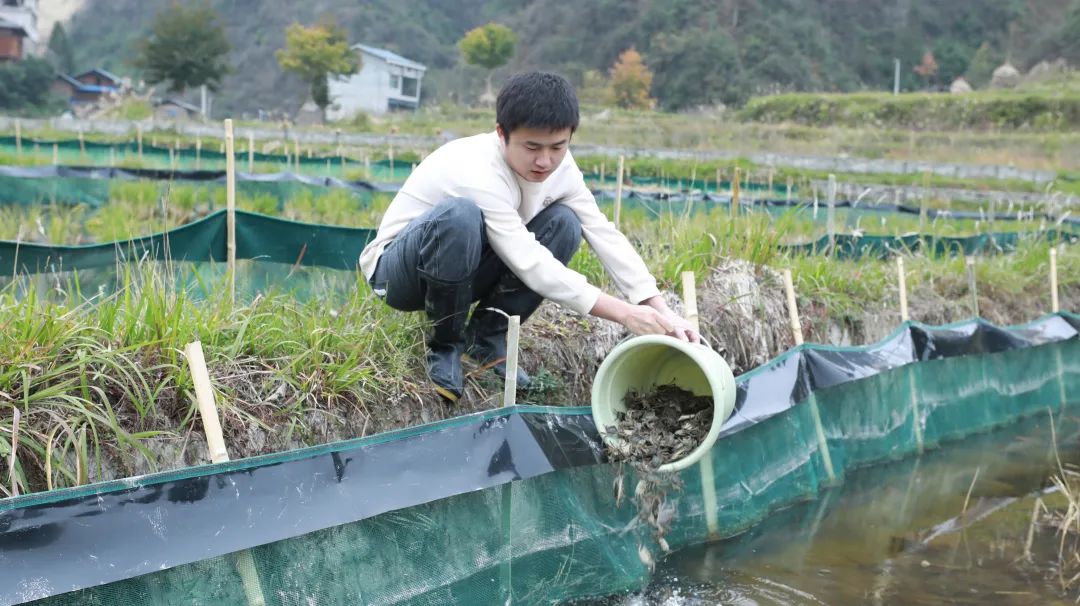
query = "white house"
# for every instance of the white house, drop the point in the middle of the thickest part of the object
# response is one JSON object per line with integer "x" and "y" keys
{"x": 386, "y": 81}
{"x": 16, "y": 14}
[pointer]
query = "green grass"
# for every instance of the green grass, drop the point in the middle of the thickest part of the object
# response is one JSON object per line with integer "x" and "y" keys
{"x": 99, "y": 378}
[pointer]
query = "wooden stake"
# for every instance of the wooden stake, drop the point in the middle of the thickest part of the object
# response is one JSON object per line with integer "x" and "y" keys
{"x": 513, "y": 331}
{"x": 618, "y": 191}
{"x": 18, "y": 139}
{"x": 251, "y": 152}
{"x": 230, "y": 200}
{"x": 138, "y": 139}
{"x": 55, "y": 154}
{"x": 215, "y": 442}
{"x": 902, "y": 280}
{"x": 735, "y": 194}
{"x": 793, "y": 311}
{"x": 969, "y": 262}
{"x": 198, "y": 153}
{"x": 390, "y": 155}
{"x": 1055, "y": 306}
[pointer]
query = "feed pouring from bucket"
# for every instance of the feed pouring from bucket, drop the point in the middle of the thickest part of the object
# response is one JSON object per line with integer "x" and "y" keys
{"x": 660, "y": 401}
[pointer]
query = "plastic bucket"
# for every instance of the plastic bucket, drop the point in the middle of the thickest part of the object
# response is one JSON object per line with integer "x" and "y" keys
{"x": 642, "y": 363}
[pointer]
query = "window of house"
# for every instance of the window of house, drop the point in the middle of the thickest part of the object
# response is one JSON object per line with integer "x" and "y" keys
{"x": 395, "y": 81}
{"x": 408, "y": 87}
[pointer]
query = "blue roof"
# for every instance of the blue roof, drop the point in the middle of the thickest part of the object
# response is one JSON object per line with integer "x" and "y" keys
{"x": 101, "y": 72}
{"x": 390, "y": 57}
{"x": 86, "y": 88}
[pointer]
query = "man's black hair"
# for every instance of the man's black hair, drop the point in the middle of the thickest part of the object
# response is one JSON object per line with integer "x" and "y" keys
{"x": 536, "y": 100}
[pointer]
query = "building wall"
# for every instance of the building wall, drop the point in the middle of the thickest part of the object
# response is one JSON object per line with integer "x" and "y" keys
{"x": 370, "y": 90}
{"x": 11, "y": 45}
{"x": 365, "y": 91}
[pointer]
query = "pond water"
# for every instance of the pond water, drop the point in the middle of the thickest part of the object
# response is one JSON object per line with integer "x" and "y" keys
{"x": 949, "y": 527}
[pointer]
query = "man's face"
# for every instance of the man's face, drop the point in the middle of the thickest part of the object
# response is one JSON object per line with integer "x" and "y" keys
{"x": 533, "y": 153}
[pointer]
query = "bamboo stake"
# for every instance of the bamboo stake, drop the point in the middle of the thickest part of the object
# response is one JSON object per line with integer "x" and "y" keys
{"x": 215, "y": 441}
{"x": 902, "y": 280}
{"x": 12, "y": 455}
{"x": 138, "y": 139}
{"x": 796, "y": 330}
{"x": 831, "y": 213}
{"x": 772, "y": 172}
{"x": 735, "y": 194}
{"x": 230, "y": 199}
{"x": 204, "y": 397}
{"x": 708, "y": 476}
{"x": 788, "y": 190}
{"x": 1055, "y": 306}
{"x": 82, "y": 147}
{"x": 618, "y": 190}
{"x": 55, "y": 154}
{"x": 390, "y": 155}
{"x": 18, "y": 139}
{"x": 690, "y": 299}
{"x": 251, "y": 152}
{"x": 969, "y": 263}
{"x": 793, "y": 311}
{"x": 198, "y": 153}
{"x": 513, "y": 331}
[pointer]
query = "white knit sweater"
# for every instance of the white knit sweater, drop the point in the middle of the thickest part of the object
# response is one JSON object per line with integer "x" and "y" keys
{"x": 475, "y": 168}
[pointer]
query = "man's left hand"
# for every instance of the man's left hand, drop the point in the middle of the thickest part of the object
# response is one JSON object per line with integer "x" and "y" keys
{"x": 683, "y": 330}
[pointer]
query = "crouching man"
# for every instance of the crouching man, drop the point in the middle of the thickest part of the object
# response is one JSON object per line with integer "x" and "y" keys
{"x": 493, "y": 219}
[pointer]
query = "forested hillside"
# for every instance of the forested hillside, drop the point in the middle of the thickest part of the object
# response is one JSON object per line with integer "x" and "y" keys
{"x": 702, "y": 52}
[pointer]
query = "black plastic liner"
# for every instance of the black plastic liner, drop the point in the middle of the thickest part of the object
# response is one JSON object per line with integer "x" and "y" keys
{"x": 80, "y": 537}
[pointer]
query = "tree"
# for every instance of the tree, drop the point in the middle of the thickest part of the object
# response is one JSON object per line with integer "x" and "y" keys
{"x": 24, "y": 86}
{"x": 60, "y": 49}
{"x": 316, "y": 52}
{"x": 982, "y": 65}
{"x": 186, "y": 48}
{"x": 488, "y": 46}
{"x": 631, "y": 81}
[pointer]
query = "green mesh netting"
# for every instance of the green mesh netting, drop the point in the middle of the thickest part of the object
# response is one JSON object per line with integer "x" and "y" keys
{"x": 562, "y": 535}
{"x": 210, "y": 157}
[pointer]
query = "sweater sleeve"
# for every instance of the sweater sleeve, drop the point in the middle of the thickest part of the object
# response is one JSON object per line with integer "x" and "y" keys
{"x": 530, "y": 261}
{"x": 621, "y": 262}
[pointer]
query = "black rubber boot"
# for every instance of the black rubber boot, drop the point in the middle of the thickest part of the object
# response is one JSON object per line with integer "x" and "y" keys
{"x": 486, "y": 333}
{"x": 447, "y": 307}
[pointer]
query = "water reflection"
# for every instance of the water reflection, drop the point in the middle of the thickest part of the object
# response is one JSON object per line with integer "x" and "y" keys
{"x": 947, "y": 528}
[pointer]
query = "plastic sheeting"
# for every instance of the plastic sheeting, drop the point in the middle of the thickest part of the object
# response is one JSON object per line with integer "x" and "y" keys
{"x": 510, "y": 504}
